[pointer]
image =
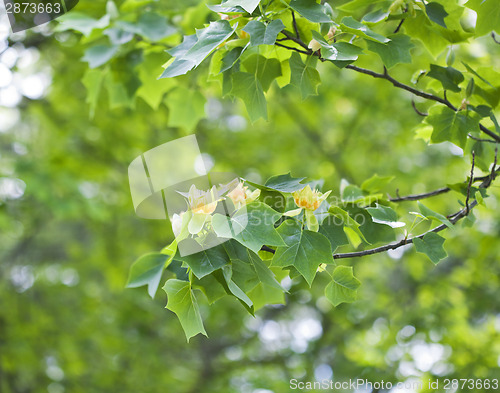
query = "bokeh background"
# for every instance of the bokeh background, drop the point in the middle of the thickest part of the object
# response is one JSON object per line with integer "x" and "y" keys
{"x": 68, "y": 233}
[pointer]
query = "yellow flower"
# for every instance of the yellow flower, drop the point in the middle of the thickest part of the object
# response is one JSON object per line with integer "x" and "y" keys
{"x": 309, "y": 199}
{"x": 314, "y": 45}
{"x": 202, "y": 202}
{"x": 240, "y": 195}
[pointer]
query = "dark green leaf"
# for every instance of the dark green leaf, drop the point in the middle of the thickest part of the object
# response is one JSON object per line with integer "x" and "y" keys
{"x": 305, "y": 250}
{"x": 205, "y": 261}
{"x": 449, "y": 77}
{"x": 432, "y": 246}
{"x": 147, "y": 270}
{"x": 351, "y": 25}
{"x": 253, "y": 226}
{"x": 333, "y": 229}
{"x": 436, "y": 13}
{"x": 396, "y": 51}
{"x": 385, "y": 215}
{"x": 428, "y": 213}
{"x": 304, "y": 76}
{"x": 247, "y": 87}
{"x": 265, "y": 69}
{"x": 310, "y": 10}
{"x": 285, "y": 183}
{"x": 98, "y": 55}
{"x": 452, "y": 126}
{"x": 261, "y": 34}
{"x": 182, "y": 301}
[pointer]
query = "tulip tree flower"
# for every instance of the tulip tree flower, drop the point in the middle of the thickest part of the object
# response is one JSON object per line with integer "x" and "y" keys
{"x": 308, "y": 200}
{"x": 202, "y": 204}
{"x": 241, "y": 196}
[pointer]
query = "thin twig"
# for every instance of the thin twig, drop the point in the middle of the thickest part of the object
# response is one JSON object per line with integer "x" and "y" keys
{"x": 292, "y": 48}
{"x": 416, "y": 197}
{"x": 471, "y": 179}
{"x": 481, "y": 140}
{"x": 399, "y": 25}
{"x": 295, "y": 39}
{"x": 414, "y": 106}
{"x": 295, "y": 28}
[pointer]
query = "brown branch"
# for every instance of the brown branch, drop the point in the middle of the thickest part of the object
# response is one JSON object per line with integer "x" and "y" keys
{"x": 295, "y": 28}
{"x": 480, "y": 139}
{"x": 416, "y": 197}
{"x": 414, "y": 106}
{"x": 297, "y": 40}
{"x": 292, "y": 48}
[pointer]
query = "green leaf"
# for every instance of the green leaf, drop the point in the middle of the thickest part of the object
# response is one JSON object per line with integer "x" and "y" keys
{"x": 247, "y": 87}
{"x": 385, "y": 215}
{"x": 253, "y": 226}
{"x": 248, "y": 5}
{"x": 333, "y": 229}
{"x": 304, "y": 76}
{"x": 182, "y": 301}
{"x": 376, "y": 183}
{"x": 432, "y": 246}
{"x": 147, "y": 270}
{"x": 449, "y": 77}
{"x": 98, "y": 55}
{"x": 210, "y": 286}
{"x": 305, "y": 250}
{"x": 351, "y": 227}
{"x": 262, "y": 295}
{"x": 355, "y": 5}
{"x": 227, "y": 271}
{"x": 436, "y": 13}
{"x": 343, "y": 287}
{"x": 310, "y": 10}
{"x": 351, "y": 25}
{"x": 209, "y": 38}
{"x": 231, "y": 57}
{"x": 186, "y": 108}
{"x": 153, "y": 90}
{"x": 265, "y": 69}
{"x": 285, "y": 183}
{"x": 488, "y": 15}
{"x": 154, "y": 26}
{"x": 92, "y": 80}
{"x": 248, "y": 269}
{"x": 452, "y": 126}
{"x": 428, "y": 213}
{"x": 81, "y": 22}
{"x": 396, "y": 51}
{"x": 206, "y": 261}
{"x": 261, "y": 34}
{"x": 340, "y": 53}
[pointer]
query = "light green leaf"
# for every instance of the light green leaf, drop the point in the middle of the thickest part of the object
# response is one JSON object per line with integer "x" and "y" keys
{"x": 351, "y": 227}
{"x": 247, "y": 87}
{"x": 265, "y": 69}
{"x": 92, "y": 80}
{"x": 432, "y": 246}
{"x": 153, "y": 90}
{"x": 305, "y": 250}
{"x": 248, "y": 5}
{"x": 253, "y": 227}
{"x": 376, "y": 183}
{"x": 488, "y": 15}
{"x": 396, "y": 51}
{"x": 351, "y": 25}
{"x": 285, "y": 183}
{"x": 428, "y": 213}
{"x": 147, "y": 270}
{"x": 344, "y": 286}
{"x": 436, "y": 13}
{"x": 98, "y": 55}
{"x": 449, "y": 125}
{"x": 81, "y": 22}
{"x": 304, "y": 76}
{"x": 261, "y": 34}
{"x": 186, "y": 108}
{"x": 154, "y": 26}
{"x": 385, "y": 215}
{"x": 340, "y": 53}
{"x": 310, "y": 10}
{"x": 210, "y": 286}
{"x": 182, "y": 301}
{"x": 206, "y": 261}
{"x": 227, "y": 271}
{"x": 449, "y": 77}
{"x": 209, "y": 38}
{"x": 262, "y": 295}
